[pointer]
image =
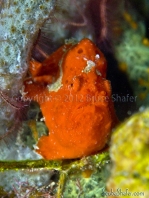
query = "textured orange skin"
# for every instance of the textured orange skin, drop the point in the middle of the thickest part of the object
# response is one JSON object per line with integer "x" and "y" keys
{"x": 80, "y": 115}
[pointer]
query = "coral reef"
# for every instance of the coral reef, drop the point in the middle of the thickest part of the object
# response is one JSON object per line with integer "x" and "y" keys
{"x": 26, "y": 39}
{"x": 129, "y": 153}
{"x": 20, "y": 22}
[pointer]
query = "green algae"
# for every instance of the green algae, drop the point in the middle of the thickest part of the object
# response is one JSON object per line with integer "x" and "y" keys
{"x": 16, "y": 165}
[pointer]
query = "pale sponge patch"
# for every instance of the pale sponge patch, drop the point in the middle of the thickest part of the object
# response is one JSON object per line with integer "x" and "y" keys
{"x": 19, "y": 22}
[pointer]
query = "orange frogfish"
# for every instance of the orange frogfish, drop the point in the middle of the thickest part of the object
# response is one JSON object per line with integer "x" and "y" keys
{"x": 75, "y": 99}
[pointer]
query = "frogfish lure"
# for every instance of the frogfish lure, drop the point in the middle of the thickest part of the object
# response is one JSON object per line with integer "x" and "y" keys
{"x": 75, "y": 99}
